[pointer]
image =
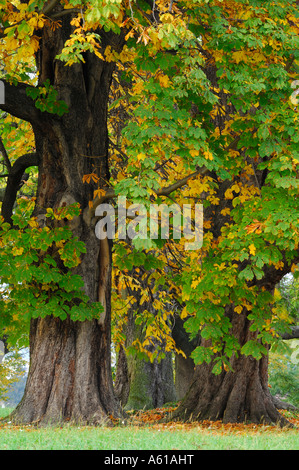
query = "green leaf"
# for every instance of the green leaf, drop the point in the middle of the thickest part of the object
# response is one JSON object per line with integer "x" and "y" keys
{"x": 202, "y": 354}
{"x": 217, "y": 369}
{"x": 254, "y": 349}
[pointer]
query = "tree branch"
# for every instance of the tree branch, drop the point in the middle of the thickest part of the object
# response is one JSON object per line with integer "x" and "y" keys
{"x": 4, "y": 341}
{"x": 62, "y": 13}
{"x": 165, "y": 191}
{"x": 5, "y": 155}
{"x": 14, "y": 181}
{"x": 18, "y": 104}
{"x": 178, "y": 184}
{"x": 293, "y": 334}
{"x": 50, "y": 6}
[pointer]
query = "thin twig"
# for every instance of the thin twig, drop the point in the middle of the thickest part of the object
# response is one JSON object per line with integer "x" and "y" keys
{"x": 5, "y": 155}
{"x": 62, "y": 13}
{"x": 153, "y": 11}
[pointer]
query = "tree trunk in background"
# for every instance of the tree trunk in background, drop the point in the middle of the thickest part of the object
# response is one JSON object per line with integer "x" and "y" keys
{"x": 141, "y": 384}
{"x": 151, "y": 383}
{"x": 70, "y": 367}
{"x": 242, "y": 395}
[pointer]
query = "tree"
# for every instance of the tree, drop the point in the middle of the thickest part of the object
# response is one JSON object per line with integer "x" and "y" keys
{"x": 12, "y": 370}
{"x": 233, "y": 94}
{"x": 68, "y": 145}
{"x": 184, "y": 365}
{"x": 287, "y": 306}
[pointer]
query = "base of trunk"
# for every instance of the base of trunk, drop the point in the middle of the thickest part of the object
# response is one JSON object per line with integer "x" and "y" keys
{"x": 69, "y": 376}
{"x": 233, "y": 397}
{"x": 238, "y": 396}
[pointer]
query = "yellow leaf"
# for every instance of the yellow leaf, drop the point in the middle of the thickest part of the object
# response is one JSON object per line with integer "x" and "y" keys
{"x": 252, "y": 249}
{"x": 256, "y": 225}
{"x": 33, "y": 223}
{"x": 228, "y": 194}
{"x": 34, "y": 43}
{"x": 86, "y": 179}
{"x": 184, "y": 313}
{"x": 225, "y": 211}
{"x": 235, "y": 188}
{"x": 98, "y": 54}
{"x": 194, "y": 152}
{"x": 130, "y": 34}
{"x": 277, "y": 294}
{"x": 220, "y": 266}
{"x": 213, "y": 200}
{"x": 141, "y": 157}
{"x": 238, "y": 309}
{"x": 208, "y": 155}
{"x": 17, "y": 251}
{"x": 195, "y": 283}
{"x": 99, "y": 192}
{"x": 238, "y": 56}
{"x": 164, "y": 81}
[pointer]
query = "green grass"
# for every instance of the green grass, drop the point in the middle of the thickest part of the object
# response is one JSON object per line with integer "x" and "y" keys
{"x": 157, "y": 437}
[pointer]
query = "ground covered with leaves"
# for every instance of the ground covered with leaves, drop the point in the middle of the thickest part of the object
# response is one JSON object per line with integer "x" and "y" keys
{"x": 149, "y": 430}
{"x": 159, "y": 417}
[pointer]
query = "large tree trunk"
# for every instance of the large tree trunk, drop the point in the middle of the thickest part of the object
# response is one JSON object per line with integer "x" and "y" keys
{"x": 239, "y": 396}
{"x": 70, "y": 371}
{"x": 69, "y": 376}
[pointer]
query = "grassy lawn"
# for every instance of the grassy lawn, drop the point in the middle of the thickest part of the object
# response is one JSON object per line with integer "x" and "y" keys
{"x": 149, "y": 436}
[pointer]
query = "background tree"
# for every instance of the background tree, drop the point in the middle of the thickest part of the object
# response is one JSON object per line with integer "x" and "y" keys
{"x": 143, "y": 333}
{"x": 287, "y": 306}
{"x": 12, "y": 371}
{"x": 283, "y": 365}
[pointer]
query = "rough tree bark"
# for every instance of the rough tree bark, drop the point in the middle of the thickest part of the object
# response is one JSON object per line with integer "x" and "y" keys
{"x": 239, "y": 396}
{"x": 70, "y": 371}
